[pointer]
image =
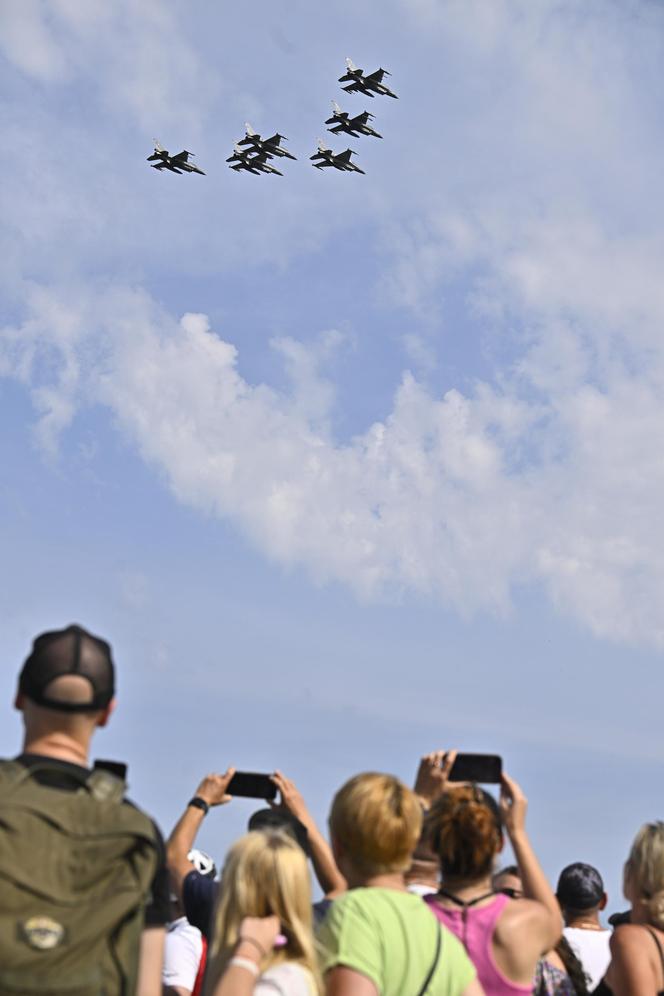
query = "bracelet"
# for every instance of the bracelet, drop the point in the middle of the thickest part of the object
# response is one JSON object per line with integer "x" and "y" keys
{"x": 247, "y": 963}
{"x": 199, "y": 803}
{"x": 252, "y": 940}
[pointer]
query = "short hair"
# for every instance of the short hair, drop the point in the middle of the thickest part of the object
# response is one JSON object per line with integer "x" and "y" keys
{"x": 377, "y": 820}
{"x": 465, "y": 831}
{"x": 280, "y": 819}
{"x": 645, "y": 870}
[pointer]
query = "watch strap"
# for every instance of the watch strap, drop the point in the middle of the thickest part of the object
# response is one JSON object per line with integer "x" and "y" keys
{"x": 199, "y": 803}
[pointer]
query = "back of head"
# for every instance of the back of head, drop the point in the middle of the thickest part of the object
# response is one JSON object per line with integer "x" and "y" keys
{"x": 265, "y": 873}
{"x": 465, "y": 832}
{"x": 280, "y": 819}
{"x": 645, "y": 871}
{"x": 376, "y": 820}
{"x": 69, "y": 671}
{"x": 580, "y": 889}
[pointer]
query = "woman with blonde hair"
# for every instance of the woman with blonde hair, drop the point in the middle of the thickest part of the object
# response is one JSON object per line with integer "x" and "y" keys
{"x": 261, "y": 940}
{"x": 637, "y": 947}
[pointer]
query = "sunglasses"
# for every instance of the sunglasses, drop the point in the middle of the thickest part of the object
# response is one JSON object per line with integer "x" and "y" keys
{"x": 512, "y": 893}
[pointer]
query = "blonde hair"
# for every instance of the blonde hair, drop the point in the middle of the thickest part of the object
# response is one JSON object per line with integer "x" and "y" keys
{"x": 645, "y": 870}
{"x": 265, "y": 873}
{"x": 377, "y": 821}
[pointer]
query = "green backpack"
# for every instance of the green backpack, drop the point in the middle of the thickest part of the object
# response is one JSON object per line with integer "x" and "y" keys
{"x": 75, "y": 874}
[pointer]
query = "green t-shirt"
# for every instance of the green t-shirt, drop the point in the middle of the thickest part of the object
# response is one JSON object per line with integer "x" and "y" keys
{"x": 390, "y": 936}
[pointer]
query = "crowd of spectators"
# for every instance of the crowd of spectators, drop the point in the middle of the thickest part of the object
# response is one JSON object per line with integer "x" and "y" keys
{"x": 415, "y": 901}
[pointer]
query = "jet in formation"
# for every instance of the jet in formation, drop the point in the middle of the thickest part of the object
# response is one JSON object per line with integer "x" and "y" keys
{"x": 359, "y": 125}
{"x": 251, "y": 161}
{"x": 176, "y": 164}
{"x": 368, "y": 85}
{"x": 270, "y": 146}
{"x": 340, "y": 160}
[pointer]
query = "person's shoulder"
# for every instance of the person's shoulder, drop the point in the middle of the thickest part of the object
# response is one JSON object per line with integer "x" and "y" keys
{"x": 521, "y": 915}
{"x": 630, "y": 938}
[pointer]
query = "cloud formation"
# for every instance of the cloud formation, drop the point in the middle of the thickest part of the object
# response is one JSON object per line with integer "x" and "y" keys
{"x": 537, "y": 204}
{"x": 460, "y": 497}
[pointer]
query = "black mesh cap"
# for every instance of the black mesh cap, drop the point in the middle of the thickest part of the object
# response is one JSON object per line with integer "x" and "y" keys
{"x": 69, "y": 651}
{"x": 580, "y": 887}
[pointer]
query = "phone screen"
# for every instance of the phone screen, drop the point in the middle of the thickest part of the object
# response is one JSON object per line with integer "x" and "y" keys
{"x": 484, "y": 768}
{"x": 251, "y": 785}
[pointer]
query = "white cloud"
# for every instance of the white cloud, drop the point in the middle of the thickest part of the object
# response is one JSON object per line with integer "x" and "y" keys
{"x": 460, "y": 497}
{"x": 136, "y": 55}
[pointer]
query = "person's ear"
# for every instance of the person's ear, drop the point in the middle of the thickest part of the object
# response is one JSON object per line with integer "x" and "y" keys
{"x": 106, "y": 713}
{"x": 603, "y": 901}
{"x": 19, "y": 701}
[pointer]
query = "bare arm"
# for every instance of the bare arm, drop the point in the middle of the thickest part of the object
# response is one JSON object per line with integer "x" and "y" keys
{"x": 150, "y": 961}
{"x": 213, "y": 791}
{"x": 329, "y": 877}
{"x": 175, "y": 991}
{"x": 513, "y": 804}
{"x": 344, "y": 981}
{"x": 240, "y": 979}
{"x": 630, "y": 972}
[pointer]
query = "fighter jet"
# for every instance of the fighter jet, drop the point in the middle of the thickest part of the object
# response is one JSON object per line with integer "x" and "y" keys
{"x": 243, "y": 159}
{"x": 340, "y": 160}
{"x": 176, "y": 164}
{"x": 352, "y": 126}
{"x": 368, "y": 85}
{"x": 271, "y": 146}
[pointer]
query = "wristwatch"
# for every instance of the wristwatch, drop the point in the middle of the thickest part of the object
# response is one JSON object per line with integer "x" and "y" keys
{"x": 199, "y": 803}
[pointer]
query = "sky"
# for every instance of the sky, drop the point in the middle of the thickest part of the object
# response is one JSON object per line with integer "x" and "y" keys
{"x": 347, "y": 468}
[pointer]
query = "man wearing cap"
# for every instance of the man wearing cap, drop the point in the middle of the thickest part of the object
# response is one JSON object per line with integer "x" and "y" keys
{"x": 65, "y": 693}
{"x": 581, "y": 896}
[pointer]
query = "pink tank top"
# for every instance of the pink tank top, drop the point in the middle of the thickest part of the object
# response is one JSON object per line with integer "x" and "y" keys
{"x": 474, "y": 927}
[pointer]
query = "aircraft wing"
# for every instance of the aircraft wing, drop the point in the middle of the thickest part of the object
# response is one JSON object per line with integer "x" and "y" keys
{"x": 274, "y": 140}
{"x": 343, "y": 157}
{"x": 360, "y": 119}
{"x": 357, "y": 88}
{"x": 377, "y": 77}
{"x": 182, "y": 156}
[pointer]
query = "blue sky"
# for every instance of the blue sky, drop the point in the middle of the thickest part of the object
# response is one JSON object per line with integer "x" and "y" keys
{"x": 346, "y": 468}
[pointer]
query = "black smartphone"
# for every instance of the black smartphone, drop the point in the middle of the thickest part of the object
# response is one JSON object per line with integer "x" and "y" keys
{"x": 114, "y": 767}
{"x": 483, "y": 768}
{"x": 251, "y": 785}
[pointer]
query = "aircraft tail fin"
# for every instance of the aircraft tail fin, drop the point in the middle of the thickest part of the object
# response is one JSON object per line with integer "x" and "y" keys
{"x": 248, "y": 129}
{"x": 336, "y": 108}
{"x": 157, "y": 146}
{"x": 322, "y": 147}
{"x": 351, "y": 66}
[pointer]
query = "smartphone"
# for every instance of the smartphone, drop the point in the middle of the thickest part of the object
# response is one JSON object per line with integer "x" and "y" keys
{"x": 483, "y": 768}
{"x": 251, "y": 785}
{"x": 114, "y": 767}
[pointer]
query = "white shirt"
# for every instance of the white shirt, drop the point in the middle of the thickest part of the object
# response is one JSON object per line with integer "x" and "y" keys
{"x": 592, "y": 949}
{"x": 182, "y": 954}
{"x": 288, "y": 979}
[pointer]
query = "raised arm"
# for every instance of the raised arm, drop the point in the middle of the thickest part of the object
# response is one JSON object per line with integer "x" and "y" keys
{"x": 513, "y": 806}
{"x": 212, "y": 791}
{"x": 329, "y": 877}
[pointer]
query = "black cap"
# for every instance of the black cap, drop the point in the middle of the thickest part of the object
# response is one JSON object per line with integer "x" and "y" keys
{"x": 580, "y": 887}
{"x": 69, "y": 651}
